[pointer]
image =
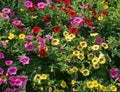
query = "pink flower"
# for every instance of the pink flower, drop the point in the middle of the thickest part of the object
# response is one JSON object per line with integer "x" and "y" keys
{"x": 5, "y": 16}
{"x": 16, "y": 22}
{"x": 24, "y": 79}
{"x": 23, "y": 29}
{"x": 76, "y": 20}
{"x": 12, "y": 14}
{"x": 0, "y": 81}
{"x": 41, "y": 47}
{"x": 25, "y": 60}
{"x": 99, "y": 40}
{"x": 12, "y": 70}
{"x": 114, "y": 73}
{"x": 28, "y": 4}
{"x": 29, "y": 46}
{"x": 1, "y": 71}
{"x": 6, "y": 10}
{"x": 41, "y": 40}
{"x": 29, "y": 37}
{"x": 48, "y": 36}
{"x": 18, "y": 82}
{"x": 4, "y": 44}
{"x": 8, "y": 62}
{"x": 1, "y": 55}
{"x": 41, "y": 5}
{"x": 8, "y": 90}
{"x": 92, "y": 27}
{"x": 85, "y": 7}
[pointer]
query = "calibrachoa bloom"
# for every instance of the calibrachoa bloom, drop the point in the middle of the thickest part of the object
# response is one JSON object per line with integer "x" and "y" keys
{"x": 46, "y": 19}
{"x": 48, "y": 36}
{"x": 8, "y": 62}
{"x": 77, "y": 21}
{"x": 16, "y": 22}
{"x": 29, "y": 37}
{"x": 6, "y": 10}
{"x": 42, "y": 53}
{"x": 5, "y": 16}
{"x": 114, "y": 73}
{"x": 12, "y": 70}
{"x": 25, "y": 60}
{"x": 29, "y": 46}
{"x": 41, "y": 5}
{"x": 1, "y": 71}
{"x": 0, "y": 81}
{"x": 56, "y": 29}
{"x": 1, "y": 55}
{"x": 36, "y": 29}
{"x": 99, "y": 40}
{"x": 28, "y": 4}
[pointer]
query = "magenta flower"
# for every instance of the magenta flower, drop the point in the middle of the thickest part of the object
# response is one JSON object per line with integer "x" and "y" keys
{"x": 5, "y": 16}
{"x": 16, "y": 22}
{"x": 118, "y": 78}
{"x": 41, "y": 5}
{"x": 12, "y": 14}
{"x": 1, "y": 71}
{"x": 92, "y": 27}
{"x": 42, "y": 41}
{"x": 1, "y": 55}
{"x": 8, "y": 62}
{"x": 48, "y": 36}
{"x": 41, "y": 47}
{"x": 12, "y": 70}
{"x": 25, "y": 60}
{"x": 6, "y": 10}
{"x": 24, "y": 79}
{"x": 28, "y": 4}
{"x": 8, "y": 90}
{"x": 29, "y": 46}
{"x": 84, "y": 7}
{"x": 18, "y": 82}
{"x": 29, "y": 37}
{"x": 76, "y": 20}
{"x": 0, "y": 81}
{"x": 114, "y": 73}
{"x": 99, "y": 40}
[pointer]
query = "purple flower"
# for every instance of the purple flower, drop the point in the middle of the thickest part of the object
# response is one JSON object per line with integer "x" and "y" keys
{"x": 18, "y": 82}
{"x": 29, "y": 46}
{"x": 29, "y": 37}
{"x": 0, "y": 81}
{"x": 49, "y": 36}
{"x": 8, "y": 62}
{"x": 25, "y": 60}
{"x": 1, "y": 71}
{"x": 28, "y": 4}
{"x": 5, "y": 16}
{"x": 12, "y": 14}
{"x": 24, "y": 79}
{"x": 12, "y": 70}
{"x": 8, "y": 90}
{"x": 99, "y": 40}
{"x": 1, "y": 55}
{"x": 6, "y": 10}
{"x": 16, "y": 22}
{"x": 41, "y": 5}
{"x": 114, "y": 73}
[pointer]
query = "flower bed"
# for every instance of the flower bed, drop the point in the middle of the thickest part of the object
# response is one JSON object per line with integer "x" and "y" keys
{"x": 57, "y": 47}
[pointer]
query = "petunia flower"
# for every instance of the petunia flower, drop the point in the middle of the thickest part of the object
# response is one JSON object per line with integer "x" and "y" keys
{"x": 12, "y": 70}
{"x": 25, "y": 60}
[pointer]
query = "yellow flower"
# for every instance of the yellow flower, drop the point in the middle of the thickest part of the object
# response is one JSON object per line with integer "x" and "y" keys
{"x": 55, "y": 41}
{"x": 6, "y": 41}
{"x": 90, "y": 48}
{"x": 21, "y": 36}
{"x": 95, "y": 83}
{"x": 95, "y": 47}
{"x": 79, "y": 47}
{"x": 33, "y": 17}
{"x": 90, "y": 85}
{"x": 3, "y": 77}
{"x": 73, "y": 82}
{"x": 76, "y": 53}
{"x": 105, "y": 6}
{"x": 96, "y": 66}
{"x": 85, "y": 72}
{"x": 81, "y": 56}
{"x": 100, "y": 17}
{"x": 37, "y": 78}
{"x": 102, "y": 60}
{"x": 21, "y": 9}
{"x": 11, "y": 36}
{"x": 90, "y": 56}
{"x": 95, "y": 60}
{"x": 65, "y": 33}
{"x": 83, "y": 44}
{"x": 113, "y": 88}
{"x": 94, "y": 34}
{"x": 44, "y": 76}
{"x": 104, "y": 45}
{"x": 70, "y": 71}
{"x": 75, "y": 69}
{"x": 102, "y": 88}
{"x": 56, "y": 90}
{"x": 63, "y": 84}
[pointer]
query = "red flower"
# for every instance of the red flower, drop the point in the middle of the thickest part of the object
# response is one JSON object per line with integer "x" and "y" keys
{"x": 36, "y": 29}
{"x": 52, "y": 7}
{"x": 66, "y": 1}
{"x": 57, "y": 29}
{"x": 70, "y": 8}
{"x": 46, "y": 19}
{"x": 73, "y": 31}
{"x": 32, "y": 8}
{"x": 72, "y": 14}
{"x": 64, "y": 9}
{"x": 42, "y": 53}
{"x": 59, "y": 1}
{"x": 88, "y": 21}
{"x": 105, "y": 13}
{"x": 94, "y": 12}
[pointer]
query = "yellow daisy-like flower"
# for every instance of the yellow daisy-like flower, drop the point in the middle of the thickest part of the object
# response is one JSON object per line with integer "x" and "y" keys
{"x": 44, "y": 76}
{"x": 90, "y": 85}
{"x": 105, "y": 6}
{"x": 34, "y": 17}
{"x": 56, "y": 90}
{"x": 113, "y": 88}
{"x": 21, "y": 9}
{"x": 81, "y": 56}
{"x": 75, "y": 69}
{"x": 70, "y": 71}
{"x": 93, "y": 34}
{"x": 72, "y": 36}
{"x": 83, "y": 44}
{"x": 76, "y": 53}
{"x": 22, "y": 36}
{"x": 79, "y": 47}
{"x": 55, "y": 41}
{"x": 73, "y": 82}
{"x": 95, "y": 60}
{"x": 96, "y": 66}
{"x": 90, "y": 56}
{"x": 95, "y": 47}
{"x": 102, "y": 60}
{"x": 63, "y": 84}
{"x": 90, "y": 48}
{"x": 100, "y": 17}
{"x": 37, "y": 78}
{"x": 102, "y": 88}
{"x": 85, "y": 72}
{"x": 11, "y": 36}
{"x": 95, "y": 83}
{"x": 65, "y": 33}
{"x": 104, "y": 45}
